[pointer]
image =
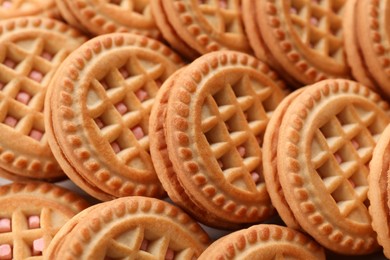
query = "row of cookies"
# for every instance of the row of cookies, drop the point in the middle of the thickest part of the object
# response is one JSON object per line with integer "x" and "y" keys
{"x": 303, "y": 40}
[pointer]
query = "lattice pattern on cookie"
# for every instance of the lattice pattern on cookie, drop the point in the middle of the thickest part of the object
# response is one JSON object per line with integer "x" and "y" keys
{"x": 227, "y": 117}
{"x": 319, "y": 24}
{"x": 134, "y": 6}
{"x": 24, "y": 236}
{"x": 341, "y": 151}
{"x": 22, "y": 4}
{"x": 120, "y": 104}
{"x": 223, "y": 15}
{"x": 28, "y": 66}
{"x": 145, "y": 244}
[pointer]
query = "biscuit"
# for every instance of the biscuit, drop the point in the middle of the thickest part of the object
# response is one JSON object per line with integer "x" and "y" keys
{"x": 98, "y": 108}
{"x": 378, "y": 192}
{"x": 134, "y": 227}
{"x": 210, "y": 133}
{"x": 30, "y": 216}
{"x": 372, "y": 21}
{"x": 206, "y": 26}
{"x": 13, "y": 9}
{"x": 102, "y": 16}
{"x": 31, "y": 50}
{"x": 325, "y": 144}
{"x": 270, "y": 172}
{"x": 304, "y": 37}
{"x": 169, "y": 33}
{"x": 264, "y": 241}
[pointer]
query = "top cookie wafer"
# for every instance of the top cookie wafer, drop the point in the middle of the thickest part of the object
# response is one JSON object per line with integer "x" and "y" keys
{"x": 17, "y": 8}
{"x": 304, "y": 37}
{"x": 30, "y": 216}
{"x": 31, "y": 49}
{"x": 208, "y": 25}
{"x": 373, "y": 30}
{"x": 379, "y": 190}
{"x": 214, "y": 126}
{"x": 108, "y": 16}
{"x": 130, "y": 228}
{"x": 325, "y": 143}
{"x": 98, "y": 113}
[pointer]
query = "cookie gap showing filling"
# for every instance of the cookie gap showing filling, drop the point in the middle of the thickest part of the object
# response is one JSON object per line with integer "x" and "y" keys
{"x": 6, "y": 252}
{"x": 154, "y": 248}
{"x": 33, "y": 222}
{"x": 36, "y": 75}
{"x": 6, "y": 4}
{"x": 37, "y": 247}
{"x": 11, "y": 119}
{"x": 5, "y": 225}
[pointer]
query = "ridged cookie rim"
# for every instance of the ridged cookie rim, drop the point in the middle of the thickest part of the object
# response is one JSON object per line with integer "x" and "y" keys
{"x": 66, "y": 79}
{"x": 291, "y": 180}
{"x": 177, "y": 125}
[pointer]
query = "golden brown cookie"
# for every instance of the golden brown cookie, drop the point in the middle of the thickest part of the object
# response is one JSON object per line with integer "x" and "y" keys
{"x": 206, "y": 25}
{"x": 378, "y": 191}
{"x": 133, "y": 227}
{"x": 266, "y": 242}
{"x": 109, "y": 16}
{"x": 325, "y": 144}
{"x": 213, "y": 127}
{"x": 98, "y": 113}
{"x": 270, "y": 173}
{"x": 372, "y": 29}
{"x": 17, "y": 8}
{"x": 169, "y": 33}
{"x": 31, "y": 50}
{"x": 30, "y": 216}
{"x": 305, "y": 37}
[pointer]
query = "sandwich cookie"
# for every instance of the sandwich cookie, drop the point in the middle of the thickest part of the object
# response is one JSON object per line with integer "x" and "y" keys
{"x": 31, "y": 50}
{"x": 98, "y": 113}
{"x": 30, "y": 216}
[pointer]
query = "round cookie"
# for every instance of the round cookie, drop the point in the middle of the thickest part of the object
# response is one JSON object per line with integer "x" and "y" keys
{"x": 207, "y": 26}
{"x": 270, "y": 173}
{"x": 304, "y": 37}
{"x": 169, "y": 33}
{"x": 135, "y": 227}
{"x": 372, "y": 24}
{"x": 109, "y": 16}
{"x": 31, "y": 50}
{"x": 98, "y": 108}
{"x": 213, "y": 127}
{"x": 264, "y": 242}
{"x": 30, "y": 216}
{"x": 13, "y": 9}
{"x": 378, "y": 192}
{"x": 326, "y": 140}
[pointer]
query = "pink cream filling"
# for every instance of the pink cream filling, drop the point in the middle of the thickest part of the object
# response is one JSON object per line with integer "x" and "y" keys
{"x": 36, "y": 134}
{"x": 144, "y": 245}
{"x": 47, "y": 56}
{"x": 38, "y": 245}
{"x": 293, "y": 10}
{"x": 36, "y": 75}
{"x": 355, "y": 144}
{"x": 124, "y": 72}
{"x": 23, "y": 97}
{"x": 34, "y": 222}
{"x": 141, "y": 94}
{"x": 170, "y": 254}
{"x": 5, "y": 251}
{"x": 115, "y": 146}
{"x": 339, "y": 160}
{"x": 11, "y": 121}
{"x": 10, "y": 63}
{"x": 99, "y": 123}
{"x": 313, "y": 21}
{"x": 223, "y": 4}
{"x": 241, "y": 150}
{"x": 138, "y": 132}
{"x": 255, "y": 176}
{"x": 121, "y": 107}
{"x": 5, "y": 225}
{"x": 220, "y": 163}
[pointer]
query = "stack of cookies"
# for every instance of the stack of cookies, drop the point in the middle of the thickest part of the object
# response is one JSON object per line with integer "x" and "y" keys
{"x": 210, "y": 129}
